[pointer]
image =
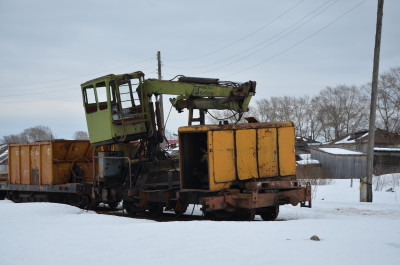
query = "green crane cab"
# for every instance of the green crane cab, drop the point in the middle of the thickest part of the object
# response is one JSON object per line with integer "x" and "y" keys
{"x": 119, "y": 108}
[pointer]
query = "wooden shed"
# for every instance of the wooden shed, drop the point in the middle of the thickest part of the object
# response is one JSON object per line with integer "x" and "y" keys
{"x": 341, "y": 163}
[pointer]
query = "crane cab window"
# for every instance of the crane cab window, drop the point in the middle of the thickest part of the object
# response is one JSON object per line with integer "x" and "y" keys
{"x": 90, "y": 99}
{"x": 124, "y": 96}
{"x": 101, "y": 90}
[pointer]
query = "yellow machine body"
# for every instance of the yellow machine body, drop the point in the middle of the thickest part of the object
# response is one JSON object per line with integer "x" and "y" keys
{"x": 216, "y": 157}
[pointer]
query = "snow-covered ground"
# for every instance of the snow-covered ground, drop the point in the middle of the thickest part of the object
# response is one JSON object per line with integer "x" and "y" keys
{"x": 350, "y": 232}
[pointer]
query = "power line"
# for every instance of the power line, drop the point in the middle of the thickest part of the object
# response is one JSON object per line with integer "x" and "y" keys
{"x": 269, "y": 39}
{"x": 39, "y": 88}
{"x": 54, "y": 86}
{"x": 40, "y": 93}
{"x": 38, "y": 100}
{"x": 277, "y": 39}
{"x": 301, "y": 41}
{"x": 239, "y": 40}
{"x": 74, "y": 77}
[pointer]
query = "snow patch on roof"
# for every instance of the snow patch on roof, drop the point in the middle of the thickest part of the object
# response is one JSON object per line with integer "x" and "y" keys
{"x": 308, "y": 162}
{"x": 347, "y": 140}
{"x": 305, "y": 156}
{"x": 387, "y": 149}
{"x": 339, "y": 151}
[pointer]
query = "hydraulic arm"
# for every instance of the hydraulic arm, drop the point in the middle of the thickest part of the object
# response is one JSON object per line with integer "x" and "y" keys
{"x": 119, "y": 108}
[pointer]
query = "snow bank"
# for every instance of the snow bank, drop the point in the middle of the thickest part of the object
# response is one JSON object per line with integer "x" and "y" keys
{"x": 351, "y": 233}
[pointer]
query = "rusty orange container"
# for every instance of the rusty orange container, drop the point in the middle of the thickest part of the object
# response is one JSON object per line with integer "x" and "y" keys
{"x": 49, "y": 163}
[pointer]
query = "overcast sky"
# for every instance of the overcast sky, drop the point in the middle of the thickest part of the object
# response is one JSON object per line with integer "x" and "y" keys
{"x": 290, "y": 48}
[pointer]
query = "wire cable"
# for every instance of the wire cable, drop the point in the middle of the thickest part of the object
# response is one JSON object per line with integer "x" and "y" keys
{"x": 264, "y": 41}
{"x": 45, "y": 87}
{"x": 299, "y": 42}
{"x": 239, "y": 40}
{"x": 40, "y": 100}
{"x": 78, "y": 76}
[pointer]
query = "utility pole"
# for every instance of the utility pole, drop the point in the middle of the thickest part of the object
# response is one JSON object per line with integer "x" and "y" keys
{"x": 159, "y": 65}
{"x": 161, "y": 96}
{"x": 366, "y": 182}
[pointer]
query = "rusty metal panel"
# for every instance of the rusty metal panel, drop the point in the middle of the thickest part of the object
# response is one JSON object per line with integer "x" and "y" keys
{"x": 256, "y": 199}
{"x": 48, "y": 163}
{"x": 267, "y": 153}
{"x": 34, "y": 166}
{"x": 213, "y": 186}
{"x": 25, "y": 165}
{"x": 246, "y": 150}
{"x": 287, "y": 158}
{"x": 223, "y": 156}
{"x": 13, "y": 165}
{"x": 261, "y": 125}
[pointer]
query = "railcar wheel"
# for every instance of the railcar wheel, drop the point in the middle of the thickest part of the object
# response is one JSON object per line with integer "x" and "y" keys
{"x": 246, "y": 215}
{"x": 131, "y": 207}
{"x": 85, "y": 202}
{"x": 155, "y": 209}
{"x": 112, "y": 205}
{"x": 269, "y": 213}
{"x": 219, "y": 215}
{"x": 2, "y": 195}
{"x": 14, "y": 196}
{"x": 180, "y": 208}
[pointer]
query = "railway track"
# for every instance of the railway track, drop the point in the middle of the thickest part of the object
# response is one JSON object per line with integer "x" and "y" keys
{"x": 164, "y": 217}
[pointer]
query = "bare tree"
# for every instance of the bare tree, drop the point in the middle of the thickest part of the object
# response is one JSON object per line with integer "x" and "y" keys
{"x": 300, "y": 117}
{"x": 33, "y": 134}
{"x": 301, "y": 111}
{"x": 388, "y": 102}
{"x": 313, "y": 118}
{"x": 15, "y": 138}
{"x": 80, "y": 135}
{"x": 261, "y": 110}
{"x": 215, "y": 116}
{"x": 38, "y": 133}
{"x": 342, "y": 110}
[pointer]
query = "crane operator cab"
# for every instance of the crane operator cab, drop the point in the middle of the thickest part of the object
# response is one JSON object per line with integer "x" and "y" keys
{"x": 114, "y": 110}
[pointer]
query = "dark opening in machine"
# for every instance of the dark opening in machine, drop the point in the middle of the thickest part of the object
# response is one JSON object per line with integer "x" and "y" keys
{"x": 194, "y": 159}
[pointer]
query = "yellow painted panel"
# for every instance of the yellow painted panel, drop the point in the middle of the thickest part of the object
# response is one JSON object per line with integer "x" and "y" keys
{"x": 246, "y": 141}
{"x": 46, "y": 164}
{"x": 13, "y": 165}
{"x": 287, "y": 158}
{"x": 212, "y": 185}
{"x": 25, "y": 165}
{"x": 267, "y": 153}
{"x": 210, "y": 158}
{"x": 223, "y": 156}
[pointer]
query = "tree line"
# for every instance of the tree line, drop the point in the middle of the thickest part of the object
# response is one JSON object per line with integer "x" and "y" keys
{"x": 36, "y": 134}
{"x": 334, "y": 112}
